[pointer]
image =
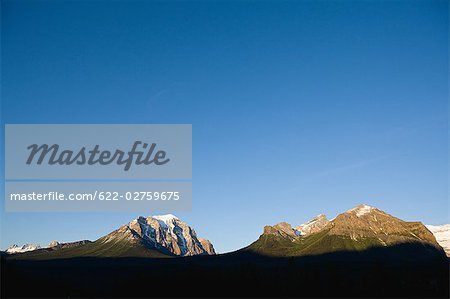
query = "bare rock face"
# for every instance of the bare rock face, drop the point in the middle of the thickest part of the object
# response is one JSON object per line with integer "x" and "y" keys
{"x": 206, "y": 244}
{"x": 166, "y": 233}
{"x": 313, "y": 226}
{"x": 282, "y": 229}
{"x": 55, "y": 245}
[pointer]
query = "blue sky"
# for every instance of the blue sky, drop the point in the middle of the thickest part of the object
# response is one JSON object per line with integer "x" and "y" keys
{"x": 297, "y": 107}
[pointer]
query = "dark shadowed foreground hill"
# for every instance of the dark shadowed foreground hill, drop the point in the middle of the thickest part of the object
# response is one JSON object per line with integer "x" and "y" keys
{"x": 407, "y": 270}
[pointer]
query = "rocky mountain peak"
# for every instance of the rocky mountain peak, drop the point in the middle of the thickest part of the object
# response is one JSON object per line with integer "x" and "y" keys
{"x": 365, "y": 222}
{"x": 166, "y": 233}
{"x": 314, "y": 225}
{"x": 53, "y": 244}
{"x": 56, "y": 245}
{"x": 282, "y": 229}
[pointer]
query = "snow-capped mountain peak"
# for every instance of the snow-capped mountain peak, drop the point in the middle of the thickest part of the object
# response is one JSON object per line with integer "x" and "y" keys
{"x": 24, "y": 248}
{"x": 162, "y": 232}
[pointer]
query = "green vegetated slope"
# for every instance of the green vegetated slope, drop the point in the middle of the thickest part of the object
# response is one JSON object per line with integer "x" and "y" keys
{"x": 317, "y": 243}
{"x": 99, "y": 248}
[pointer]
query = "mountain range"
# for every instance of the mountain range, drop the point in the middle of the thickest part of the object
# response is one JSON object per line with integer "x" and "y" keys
{"x": 363, "y": 252}
{"x": 360, "y": 228}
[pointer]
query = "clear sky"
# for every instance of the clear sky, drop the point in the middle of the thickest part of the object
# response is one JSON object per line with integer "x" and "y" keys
{"x": 297, "y": 107}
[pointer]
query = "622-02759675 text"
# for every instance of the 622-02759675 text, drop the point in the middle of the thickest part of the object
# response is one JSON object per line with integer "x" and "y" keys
{"x": 99, "y": 195}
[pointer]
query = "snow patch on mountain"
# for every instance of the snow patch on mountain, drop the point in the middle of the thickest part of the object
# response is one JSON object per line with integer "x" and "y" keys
{"x": 24, "y": 248}
{"x": 312, "y": 226}
{"x": 167, "y": 221}
{"x": 362, "y": 210}
{"x": 168, "y": 218}
{"x": 442, "y": 235}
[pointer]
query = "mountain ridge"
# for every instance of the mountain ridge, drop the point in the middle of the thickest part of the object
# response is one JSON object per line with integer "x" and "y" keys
{"x": 357, "y": 229}
{"x": 166, "y": 235}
